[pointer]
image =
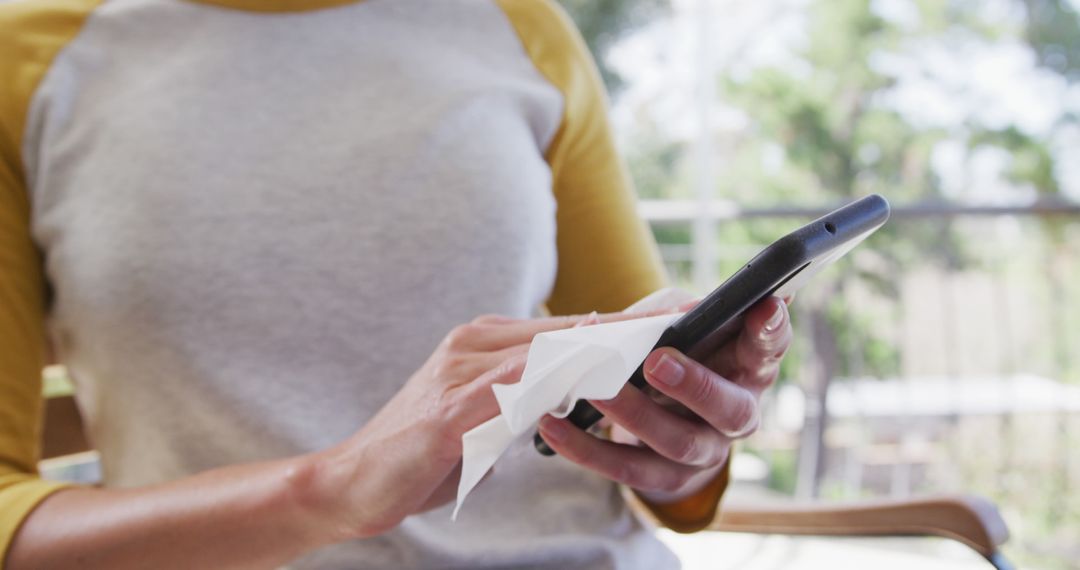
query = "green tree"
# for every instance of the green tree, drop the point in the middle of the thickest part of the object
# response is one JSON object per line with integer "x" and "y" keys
{"x": 836, "y": 141}
{"x": 1053, "y": 31}
{"x": 820, "y": 132}
{"x": 605, "y": 22}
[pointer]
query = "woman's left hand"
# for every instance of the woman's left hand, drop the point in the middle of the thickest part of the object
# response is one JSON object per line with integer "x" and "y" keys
{"x": 670, "y": 447}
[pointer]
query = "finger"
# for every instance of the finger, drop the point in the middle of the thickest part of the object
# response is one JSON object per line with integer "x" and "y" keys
{"x": 592, "y": 318}
{"x": 753, "y": 359}
{"x": 485, "y": 335}
{"x": 759, "y": 348}
{"x": 767, "y": 329}
{"x": 637, "y": 467}
{"x": 677, "y": 438}
{"x": 507, "y": 371}
{"x": 619, "y": 435}
{"x": 472, "y": 404}
{"x": 727, "y": 406}
{"x": 464, "y": 368}
{"x": 688, "y": 305}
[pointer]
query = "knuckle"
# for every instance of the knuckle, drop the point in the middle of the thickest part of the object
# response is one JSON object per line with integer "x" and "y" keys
{"x": 721, "y": 454}
{"x": 741, "y": 412}
{"x": 461, "y": 335}
{"x": 452, "y": 365}
{"x": 456, "y": 362}
{"x": 769, "y": 375}
{"x": 715, "y": 455}
{"x": 511, "y": 368}
{"x": 634, "y": 416}
{"x": 702, "y": 386}
{"x": 455, "y": 337}
{"x": 451, "y": 406}
{"x": 629, "y": 474}
{"x": 765, "y": 346}
{"x": 689, "y": 451}
{"x": 654, "y": 479}
{"x": 772, "y": 352}
{"x": 490, "y": 319}
{"x": 672, "y": 482}
{"x": 753, "y": 356}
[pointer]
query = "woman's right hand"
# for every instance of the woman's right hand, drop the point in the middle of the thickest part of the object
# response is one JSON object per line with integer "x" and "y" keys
{"x": 407, "y": 458}
{"x": 262, "y": 515}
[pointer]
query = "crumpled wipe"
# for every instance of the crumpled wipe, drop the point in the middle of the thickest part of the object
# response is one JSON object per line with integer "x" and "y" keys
{"x": 591, "y": 362}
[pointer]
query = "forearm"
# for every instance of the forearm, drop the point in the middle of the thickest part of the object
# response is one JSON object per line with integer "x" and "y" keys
{"x": 248, "y": 516}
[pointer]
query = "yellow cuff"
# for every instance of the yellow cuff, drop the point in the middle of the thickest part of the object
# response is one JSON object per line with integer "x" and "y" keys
{"x": 17, "y": 500}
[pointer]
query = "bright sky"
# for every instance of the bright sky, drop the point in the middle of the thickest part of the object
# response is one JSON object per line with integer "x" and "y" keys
{"x": 941, "y": 83}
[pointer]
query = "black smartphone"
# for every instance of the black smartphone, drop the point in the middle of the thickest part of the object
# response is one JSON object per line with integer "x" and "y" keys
{"x": 779, "y": 269}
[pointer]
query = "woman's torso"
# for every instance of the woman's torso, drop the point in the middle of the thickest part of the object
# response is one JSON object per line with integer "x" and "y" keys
{"x": 257, "y": 226}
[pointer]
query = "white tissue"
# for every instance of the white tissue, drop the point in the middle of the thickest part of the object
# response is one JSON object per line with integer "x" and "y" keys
{"x": 592, "y": 362}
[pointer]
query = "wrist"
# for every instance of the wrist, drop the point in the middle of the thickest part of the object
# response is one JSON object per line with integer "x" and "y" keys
{"x": 315, "y": 488}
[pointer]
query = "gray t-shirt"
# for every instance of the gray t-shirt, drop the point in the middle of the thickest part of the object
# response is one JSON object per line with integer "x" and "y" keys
{"x": 257, "y": 226}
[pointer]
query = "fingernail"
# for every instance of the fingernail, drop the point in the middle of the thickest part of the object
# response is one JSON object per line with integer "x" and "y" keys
{"x": 668, "y": 370}
{"x": 553, "y": 429}
{"x": 590, "y": 319}
{"x": 773, "y": 324}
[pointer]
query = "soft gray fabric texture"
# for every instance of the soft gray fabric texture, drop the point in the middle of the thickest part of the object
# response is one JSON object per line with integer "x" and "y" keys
{"x": 257, "y": 226}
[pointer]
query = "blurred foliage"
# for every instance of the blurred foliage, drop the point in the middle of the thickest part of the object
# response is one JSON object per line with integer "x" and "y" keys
{"x": 604, "y": 22}
{"x": 828, "y": 143}
{"x": 1052, "y": 31}
{"x": 1032, "y": 162}
{"x": 819, "y": 131}
{"x": 782, "y": 469}
{"x": 819, "y": 135}
{"x": 654, "y": 162}
{"x": 861, "y": 354}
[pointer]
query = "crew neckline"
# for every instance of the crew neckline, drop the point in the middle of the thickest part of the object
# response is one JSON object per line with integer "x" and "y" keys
{"x": 277, "y": 5}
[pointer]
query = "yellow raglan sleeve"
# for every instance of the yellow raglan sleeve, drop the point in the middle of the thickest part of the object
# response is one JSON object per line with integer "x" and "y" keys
{"x": 607, "y": 256}
{"x": 21, "y": 359}
{"x": 31, "y": 33}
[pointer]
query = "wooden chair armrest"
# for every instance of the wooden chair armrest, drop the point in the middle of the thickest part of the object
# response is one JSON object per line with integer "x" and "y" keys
{"x": 971, "y": 520}
{"x": 63, "y": 431}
